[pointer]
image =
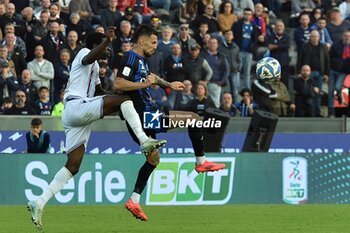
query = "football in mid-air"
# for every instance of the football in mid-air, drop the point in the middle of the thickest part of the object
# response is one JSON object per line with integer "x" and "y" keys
{"x": 268, "y": 68}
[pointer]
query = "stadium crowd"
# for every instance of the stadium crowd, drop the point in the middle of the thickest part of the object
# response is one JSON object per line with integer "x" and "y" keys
{"x": 209, "y": 45}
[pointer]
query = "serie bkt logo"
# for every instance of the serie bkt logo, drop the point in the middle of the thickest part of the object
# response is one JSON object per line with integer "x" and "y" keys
{"x": 175, "y": 182}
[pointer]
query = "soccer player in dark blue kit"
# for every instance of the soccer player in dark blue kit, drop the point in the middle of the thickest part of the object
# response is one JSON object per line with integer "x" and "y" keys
{"x": 134, "y": 79}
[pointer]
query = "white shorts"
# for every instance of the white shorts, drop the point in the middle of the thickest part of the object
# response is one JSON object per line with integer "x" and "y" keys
{"x": 77, "y": 119}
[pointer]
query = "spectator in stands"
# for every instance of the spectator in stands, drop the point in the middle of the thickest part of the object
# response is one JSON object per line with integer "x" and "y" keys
{"x": 200, "y": 33}
{"x": 240, "y": 5}
{"x": 54, "y": 16}
{"x": 2, "y": 9}
{"x": 43, "y": 106}
{"x": 110, "y": 16}
{"x": 184, "y": 39}
{"x": 53, "y": 42}
{"x": 59, "y": 107}
{"x": 61, "y": 71}
{"x": 344, "y": 9}
{"x": 166, "y": 5}
{"x": 205, "y": 41}
{"x": 201, "y": 4}
{"x": 196, "y": 67}
{"x": 305, "y": 90}
{"x": 325, "y": 37}
{"x": 106, "y": 76}
{"x": 44, "y": 6}
{"x": 201, "y": 102}
{"x": 11, "y": 17}
{"x": 14, "y": 53}
{"x": 4, "y": 57}
{"x": 209, "y": 18}
{"x": 21, "y": 107}
{"x": 165, "y": 43}
{"x": 188, "y": 11}
{"x": 38, "y": 140}
{"x": 156, "y": 63}
{"x": 226, "y": 17}
{"x": 27, "y": 86}
{"x": 279, "y": 44}
{"x": 227, "y": 104}
{"x": 231, "y": 50}
{"x": 221, "y": 70}
{"x": 282, "y": 104}
{"x": 260, "y": 24}
{"x": 7, "y": 103}
{"x": 316, "y": 56}
{"x": 75, "y": 24}
{"x": 41, "y": 29}
{"x": 245, "y": 36}
{"x": 41, "y": 70}
{"x": 134, "y": 18}
{"x": 315, "y": 15}
{"x": 100, "y": 29}
{"x": 73, "y": 45}
{"x": 340, "y": 67}
{"x": 173, "y": 65}
{"x": 179, "y": 99}
{"x": 302, "y": 34}
{"x": 159, "y": 97}
{"x": 30, "y": 21}
{"x": 64, "y": 9}
{"x": 11, "y": 83}
{"x": 247, "y": 105}
{"x": 299, "y": 6}
{"x": 97, "y": 6}
{"x": 156, "y": 24}
{"x": 19, "y": 43}
{"x": 83, "y": 8}
{"x": 141, "y": 8}
{"x": 337, "y": 25}
{"x": 125, "y": 35}
{"x": 126, "y": 46}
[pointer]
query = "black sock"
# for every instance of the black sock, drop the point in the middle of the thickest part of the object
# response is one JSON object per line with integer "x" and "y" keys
{"x": 196, "y": 137}
{"x": 144, "y": 173}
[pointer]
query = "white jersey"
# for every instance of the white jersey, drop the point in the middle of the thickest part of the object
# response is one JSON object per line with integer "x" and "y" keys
{"x": 83, "y": 78}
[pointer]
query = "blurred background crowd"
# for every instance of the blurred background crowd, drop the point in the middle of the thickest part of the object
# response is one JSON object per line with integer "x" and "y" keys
{"x": 211, "y": 46}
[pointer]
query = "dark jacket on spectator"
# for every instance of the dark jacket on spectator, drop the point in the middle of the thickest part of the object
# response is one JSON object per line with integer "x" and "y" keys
{"x": 280, "y": 53}
{"x": 336, "y": 56}
{"x": 307, "y": 56}
{"x": 304, "y": 97}
{"x": 238, "y": 35}
{"x": 219, "y": 65}
{"x": 51, "y": 49}
{"x": 231, "y": 51}
{"x": 174, "y": 70}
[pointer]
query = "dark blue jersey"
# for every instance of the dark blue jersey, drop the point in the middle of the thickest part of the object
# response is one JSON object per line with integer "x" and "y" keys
{"x": 134, "y": 68}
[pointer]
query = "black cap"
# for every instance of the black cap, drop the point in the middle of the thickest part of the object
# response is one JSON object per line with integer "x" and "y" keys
{"x": 129, "y": 10}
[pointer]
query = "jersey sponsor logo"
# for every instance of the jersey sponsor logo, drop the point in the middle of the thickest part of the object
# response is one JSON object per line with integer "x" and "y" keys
{"x": 126, "y": 71}
{"x": 175, "y": 182}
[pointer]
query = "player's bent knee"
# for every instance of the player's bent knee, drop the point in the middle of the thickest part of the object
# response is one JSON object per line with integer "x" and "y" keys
{"x": 153, "y": 157}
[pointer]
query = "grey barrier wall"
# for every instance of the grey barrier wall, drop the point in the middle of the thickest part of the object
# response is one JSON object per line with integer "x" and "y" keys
{"x": 113, "y": 123}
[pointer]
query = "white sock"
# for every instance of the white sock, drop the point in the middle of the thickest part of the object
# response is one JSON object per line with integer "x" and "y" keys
{"x": 200, "y": 159}
{"x": 131, "y": 116}
{"x": 135, "y": 197}
{"x": 60, "y": 179}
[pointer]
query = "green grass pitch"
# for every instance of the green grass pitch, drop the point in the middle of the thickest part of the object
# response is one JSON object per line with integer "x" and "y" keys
{"x": 182, "y": 219}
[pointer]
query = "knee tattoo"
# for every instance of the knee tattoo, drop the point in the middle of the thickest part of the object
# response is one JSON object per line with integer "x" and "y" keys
{"x": 153, "y": 157}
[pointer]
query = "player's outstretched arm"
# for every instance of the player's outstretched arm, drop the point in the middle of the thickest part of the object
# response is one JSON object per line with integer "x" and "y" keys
{"x": 122, "y": 84}
{"x": 177, "y": 86}
{"x": 96, "y": 52}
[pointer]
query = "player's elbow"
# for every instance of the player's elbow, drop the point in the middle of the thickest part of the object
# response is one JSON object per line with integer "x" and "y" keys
{"x": 118, "y": 84}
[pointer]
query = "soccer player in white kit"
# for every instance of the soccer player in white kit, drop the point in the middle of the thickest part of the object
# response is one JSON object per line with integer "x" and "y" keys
{"x": 86, "y": 102}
